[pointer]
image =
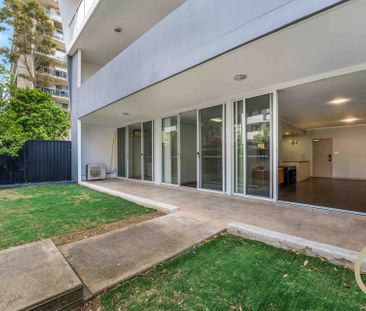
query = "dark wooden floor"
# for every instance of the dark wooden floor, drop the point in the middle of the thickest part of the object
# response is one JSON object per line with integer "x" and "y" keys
{"x": 335, "y": 193}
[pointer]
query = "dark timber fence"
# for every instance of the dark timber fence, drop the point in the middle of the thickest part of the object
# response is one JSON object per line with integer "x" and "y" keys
{"x": 38, "y": 161}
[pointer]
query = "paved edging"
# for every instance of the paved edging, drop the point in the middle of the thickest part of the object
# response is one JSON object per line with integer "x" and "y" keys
{"x": 336, "y": 255}
{"x": 36, "y": 276}
{"x": 105, "y": 261}
{"x": 160, "y": 206}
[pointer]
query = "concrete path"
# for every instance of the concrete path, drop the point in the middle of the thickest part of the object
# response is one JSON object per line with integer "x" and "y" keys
{"x": 106, "y": 260}
{"x": 36, "y": 276}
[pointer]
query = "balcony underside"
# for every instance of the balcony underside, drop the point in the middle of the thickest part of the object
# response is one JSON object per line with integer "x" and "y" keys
{"x": 134, "y": 17}
{"x": 329, "y": 42}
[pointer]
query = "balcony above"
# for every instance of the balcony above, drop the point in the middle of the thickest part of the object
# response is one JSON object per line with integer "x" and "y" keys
{"x": 89, "y": 25}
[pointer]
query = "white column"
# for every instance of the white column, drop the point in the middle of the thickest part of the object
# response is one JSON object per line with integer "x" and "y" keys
{"x": 157, "y": 151}
{"x": 229, "y": 147}
{"x": 79, "y": 149}
{"x": 275, "y": 145}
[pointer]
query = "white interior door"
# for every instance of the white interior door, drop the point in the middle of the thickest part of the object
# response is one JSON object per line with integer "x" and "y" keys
{"x": 323, "y": 157}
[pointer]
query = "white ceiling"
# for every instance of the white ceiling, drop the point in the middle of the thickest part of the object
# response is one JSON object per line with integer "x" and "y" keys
{"x": 327, "y": 42}
{"x": 307, "y": 106}
{"x": 135, "y": 18}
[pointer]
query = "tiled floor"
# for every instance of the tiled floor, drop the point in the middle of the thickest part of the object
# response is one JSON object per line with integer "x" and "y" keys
{"x": 343, "y": 230}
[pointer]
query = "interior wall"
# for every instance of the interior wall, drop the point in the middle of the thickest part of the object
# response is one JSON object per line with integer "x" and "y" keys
{"x": 349, "y": 149}
{"x": 97, "y": 147}
{"x": 298, "y": 152}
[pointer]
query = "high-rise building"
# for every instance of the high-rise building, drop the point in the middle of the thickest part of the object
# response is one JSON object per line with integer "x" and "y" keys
{"x": 57, "y": 68}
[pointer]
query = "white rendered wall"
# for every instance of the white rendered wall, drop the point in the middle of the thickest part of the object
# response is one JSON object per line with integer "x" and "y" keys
{"x": 97, "y": 147}
{"x": 88, "y": 69}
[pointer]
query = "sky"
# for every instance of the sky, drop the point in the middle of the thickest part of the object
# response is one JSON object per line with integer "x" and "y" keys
{"x": 5, "y": 35}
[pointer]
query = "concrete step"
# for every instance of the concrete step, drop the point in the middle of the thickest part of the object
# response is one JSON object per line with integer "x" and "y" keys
{"x": 336, "y": 255}
{"x": 108, "y": 259}
{"x": 36, "y": 276}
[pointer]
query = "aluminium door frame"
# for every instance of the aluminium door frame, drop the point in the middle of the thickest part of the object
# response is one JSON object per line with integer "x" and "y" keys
{"x": 142, "y": 153}
{"x": 273, "y": 156}
{"x": 179, "y": 183}
{"x": 199, "y": 148}
{"x": 162, "y": 154}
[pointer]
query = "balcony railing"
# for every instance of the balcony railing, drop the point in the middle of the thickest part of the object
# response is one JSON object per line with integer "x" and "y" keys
{"x": 53, "y": 15}
{"x": 54, "y": 72}
{"x": 60, "y": 55}
{"x": 58, "y": 36}
{"x": 79, "y": 16}
{"x": 55, "y": 92}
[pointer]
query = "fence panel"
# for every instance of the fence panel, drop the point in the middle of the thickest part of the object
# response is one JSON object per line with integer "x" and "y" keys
{"x": 38, "y": 161}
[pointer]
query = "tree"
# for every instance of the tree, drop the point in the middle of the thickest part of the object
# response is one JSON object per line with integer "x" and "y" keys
{"x": 7, "y": 85}
{"x": 32, "y": 40}
{"x": 30, "y": 114}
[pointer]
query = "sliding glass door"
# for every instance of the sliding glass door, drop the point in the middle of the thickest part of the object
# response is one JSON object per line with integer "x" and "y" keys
{"x": 170, "y": 150}
{"x": 121, "y": 152}
{"x": 148, "y": 150}
{"x": 252, "y": 146}
{"x": 135, "y": 151}
{"x": 188, "y": 148}
{"x": 211, "y": 148}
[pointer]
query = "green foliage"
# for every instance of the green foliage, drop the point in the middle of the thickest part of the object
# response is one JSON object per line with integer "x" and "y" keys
{"x": 262, "y": 137}
{"x": 32, "y": 39}
{"x": 30, "y": 114}
{"x": 39, "y": 212}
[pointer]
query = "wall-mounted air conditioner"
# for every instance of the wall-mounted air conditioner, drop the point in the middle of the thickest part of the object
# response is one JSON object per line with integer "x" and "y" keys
{"x": 95, "y": 171}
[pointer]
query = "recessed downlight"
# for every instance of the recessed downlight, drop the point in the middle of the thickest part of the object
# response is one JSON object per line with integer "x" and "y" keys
{"x": 117, "y": 29}
{"x": 350, "y": 120}
{"x": 339, "y": 101}
{"x": 240, "y": 77}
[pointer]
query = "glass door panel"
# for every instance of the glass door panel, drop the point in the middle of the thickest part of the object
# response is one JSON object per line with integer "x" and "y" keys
{"x": 258, "y": 145}
{"x": 211, "y": 148}
{"x": 148, "y": 150}
{"x": 169, "y": 150}
{"x": 134, "y": 151}
{"x": 121, "y": 151}
{"x": 188, "y": 148}
{"x": 238, "y": 147}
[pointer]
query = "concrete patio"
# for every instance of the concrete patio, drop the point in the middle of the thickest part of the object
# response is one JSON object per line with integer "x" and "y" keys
{"x": 341, "y": 230}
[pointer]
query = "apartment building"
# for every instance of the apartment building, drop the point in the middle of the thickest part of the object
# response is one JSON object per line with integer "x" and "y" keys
{"x": 259, "y": 99}
{"x": 57, "y": 69}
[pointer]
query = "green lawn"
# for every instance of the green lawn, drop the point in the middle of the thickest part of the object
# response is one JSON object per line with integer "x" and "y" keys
{"x": 231, "y": 273}
{"x": 37, "y": 212}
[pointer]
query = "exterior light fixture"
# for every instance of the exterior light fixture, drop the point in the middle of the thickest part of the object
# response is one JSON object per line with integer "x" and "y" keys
{"x": 339, "y": 101}
{"x": 117, "y": 29}
{"x": 350, "y": 120}
{"x": 240, "y": 77}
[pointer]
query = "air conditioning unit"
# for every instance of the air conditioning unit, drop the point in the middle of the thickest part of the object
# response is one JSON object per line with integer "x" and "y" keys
{"x": 95, "y": 171}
